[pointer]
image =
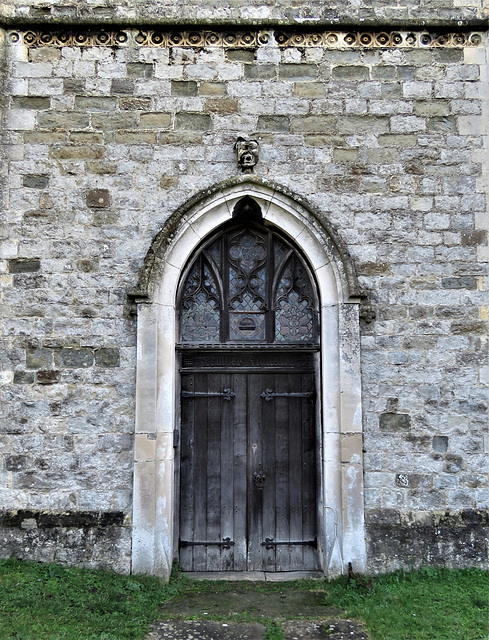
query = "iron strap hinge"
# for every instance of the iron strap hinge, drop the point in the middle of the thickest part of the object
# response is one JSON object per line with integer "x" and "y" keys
{"x": 270, "y": 543}
{"x": 269, "y": 394}
{"x": 226, "y": 394}
{"x": 225, "y": 543}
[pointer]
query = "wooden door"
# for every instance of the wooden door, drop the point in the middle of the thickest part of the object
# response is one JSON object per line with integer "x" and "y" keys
{"x": 248, "y": 470}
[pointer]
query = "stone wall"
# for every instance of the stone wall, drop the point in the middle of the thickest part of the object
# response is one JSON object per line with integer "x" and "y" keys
{"x": 104, "y": 143}
{"x": 366, "y": 12}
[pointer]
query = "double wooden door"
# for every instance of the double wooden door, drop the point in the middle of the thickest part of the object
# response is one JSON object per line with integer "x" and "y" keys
{"x": 248, "y": 465}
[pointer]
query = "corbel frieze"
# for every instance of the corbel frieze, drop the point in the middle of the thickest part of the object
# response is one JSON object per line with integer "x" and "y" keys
{"x": 248, "y": 39}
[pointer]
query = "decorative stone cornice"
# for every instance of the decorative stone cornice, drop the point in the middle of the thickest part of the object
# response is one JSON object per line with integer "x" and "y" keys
{"x": 248, "y": 39}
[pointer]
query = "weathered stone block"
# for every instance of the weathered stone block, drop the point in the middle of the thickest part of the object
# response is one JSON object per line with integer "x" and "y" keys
{"x": 240, "y": 55}
{"x": 31, "y": 102}
{"x": 63, "y": 120}
{"x": 212, "y": 89}
{"x": 98, "y": 198}
{"x": 193, "y": 121}
{"x": 313, "y": 124}
{"x": 298, "y": 72}
{"x": 71, "y": 152}
{"x": 463, "y": 282}
{"x": 24, "y": 377}
{"x": 95, "y": 103}
{"x": 109, "y": 122}
{"x": 121, "y": 86}
{"x": 222, "y": 106}
{"x": 35, "y": 181}
{"x": 260, "y": 71}
{"x": 394, "y": 422}
{"x": 24, "y": 265}
{"x": 440, "y": 443}
{"x": 39, "y": 358}
{"x": 107, "y": 357}
{"x": 184, "y": 88}
{"x": 48, "y": 377}
{"x": 139, "y": 70}
{"x": 273, "y": 123}
{"x": 352, "y": 72}
{"x": 134, "y": 104}
{"x": 74, "y": 358}
{"x": 155, "y": 120}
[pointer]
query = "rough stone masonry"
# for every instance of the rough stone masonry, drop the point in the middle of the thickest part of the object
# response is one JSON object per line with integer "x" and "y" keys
{"x": 115, "y": 114}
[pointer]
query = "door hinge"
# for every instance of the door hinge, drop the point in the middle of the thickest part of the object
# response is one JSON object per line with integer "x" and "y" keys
{"x": 269, "y": 394}
{"x": 225, "y": 543}
{"x": 176, "y": 438}
{"x": 270, "y": 543}
{"x": 226, "y": 394}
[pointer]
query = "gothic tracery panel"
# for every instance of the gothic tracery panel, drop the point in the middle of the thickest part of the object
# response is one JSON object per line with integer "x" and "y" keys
{"x": 248, "y": 285}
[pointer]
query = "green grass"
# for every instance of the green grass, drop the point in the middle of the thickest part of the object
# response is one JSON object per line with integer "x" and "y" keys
{"x": 430, "y": 604}
{"x": 41, "y": 601}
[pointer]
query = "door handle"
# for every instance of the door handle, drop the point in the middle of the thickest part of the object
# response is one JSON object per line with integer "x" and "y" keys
{"x": 259, "y": 479}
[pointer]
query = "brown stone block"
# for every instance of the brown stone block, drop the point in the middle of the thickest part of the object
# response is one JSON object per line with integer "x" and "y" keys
{"x": 184, "y": 88}
{"x": 225, "y": 106}
{"x": 399, "y": 141}
{"x": 324, "y": 140}
{"x": 345, "y": 155}
{"x": 95, "y": 103}
{"x": 135, "y": 137}
{"x": 63, "y": 120}
{"x": 86, "y": 137}
{"x": 362, "y": 124}
{"x": 44, "y": 137}
{"x": 473, "y": 238}
{"x": 431, "y": 108}
{"x": 134, "y": 104}
{"x": 101, "y": 168}
{"x": 309, "y": 90}
{"x": 30, "y": 102}
{"x": 85, "y": 152}
{"x": 98, "y": 198}
{"x": 167, "y": 182}
{"x": 476, "y": 327}
{"x": 155, "y": 120}
{"x": 122, "y": 86}
{"x": 114, "y": 121}
{"x": 178, "y": 137}
{"x": 313, "y": 124}
{"x": 48, "y": 377}
{"x": 212, "y": 89}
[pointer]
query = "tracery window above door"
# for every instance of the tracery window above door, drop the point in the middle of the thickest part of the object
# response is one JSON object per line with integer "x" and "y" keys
{"x": 247, "y": 285}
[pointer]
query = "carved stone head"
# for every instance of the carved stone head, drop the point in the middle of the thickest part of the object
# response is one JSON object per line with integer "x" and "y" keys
{"x": 247, "y": 154}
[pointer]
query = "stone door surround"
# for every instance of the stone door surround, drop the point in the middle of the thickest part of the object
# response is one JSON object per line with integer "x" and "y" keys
{"x": 341, "y": 510}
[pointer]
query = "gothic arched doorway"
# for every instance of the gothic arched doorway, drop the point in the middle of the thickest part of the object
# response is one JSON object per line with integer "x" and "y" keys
{"x": 338, "y": 488}
{"x": 247, "y": 353}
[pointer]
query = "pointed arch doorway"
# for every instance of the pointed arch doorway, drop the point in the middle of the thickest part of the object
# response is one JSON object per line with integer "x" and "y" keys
{"x": 334, "y": 368}
{"x": 247, "y": 354}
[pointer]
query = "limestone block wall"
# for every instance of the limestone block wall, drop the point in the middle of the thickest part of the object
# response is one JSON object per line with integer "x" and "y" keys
{"x": 366, "y": 12}
{"x": 101, "y": 144}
